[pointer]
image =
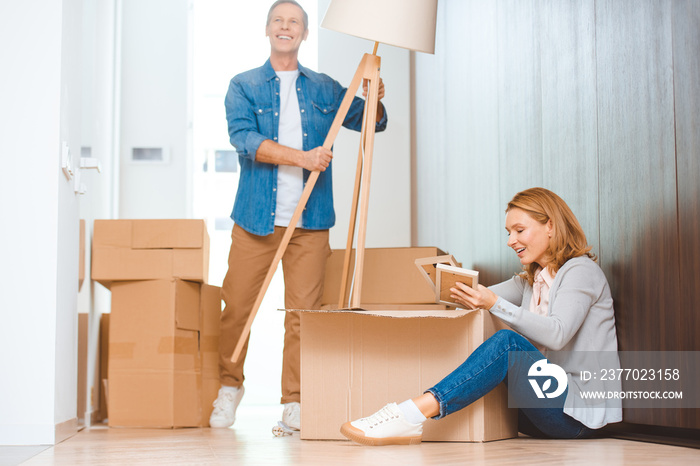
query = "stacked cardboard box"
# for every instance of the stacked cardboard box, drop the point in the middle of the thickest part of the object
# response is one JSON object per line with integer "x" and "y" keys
{"x": 354, "y": 361}
{"x": 149, "y": 249}
{"x": 163, "y": 328}
{"x": 209, "y": 331}
{"x": 104, "y": 366}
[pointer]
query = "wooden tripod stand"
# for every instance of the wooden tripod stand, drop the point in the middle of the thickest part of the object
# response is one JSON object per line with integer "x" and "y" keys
{"x": 368, "y": 69}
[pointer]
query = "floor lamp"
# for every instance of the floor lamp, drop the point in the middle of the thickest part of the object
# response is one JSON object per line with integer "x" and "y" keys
{"x": 408, "y": 24}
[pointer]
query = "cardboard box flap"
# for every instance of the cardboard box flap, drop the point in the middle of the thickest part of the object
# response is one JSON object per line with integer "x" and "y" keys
{"x": 187, "y": 305}
{"x": 390, "y": 307}
{"x": 398, "y": 314}
{"x": 169, "y": 234}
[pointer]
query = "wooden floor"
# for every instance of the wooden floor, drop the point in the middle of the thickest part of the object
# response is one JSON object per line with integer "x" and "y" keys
{"x": 250, "y": 442}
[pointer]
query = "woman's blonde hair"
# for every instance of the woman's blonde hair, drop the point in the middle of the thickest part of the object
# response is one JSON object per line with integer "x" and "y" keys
{"x": 568, "y": 239}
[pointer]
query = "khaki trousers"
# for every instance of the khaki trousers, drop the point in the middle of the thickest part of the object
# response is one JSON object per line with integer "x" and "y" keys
{"x": 303, "y": 265}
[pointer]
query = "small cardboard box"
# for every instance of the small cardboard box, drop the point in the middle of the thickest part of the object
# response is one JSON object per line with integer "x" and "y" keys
{"x": 354, "y": 362}
{"x": 389, "y": 276}
{"x": 124, "y": 250}
{"x": 154, "y": 357}
{"x": 82, "y": 364}
{"x": 104, "y": 366}
{"x": 89, "y": 392}
{"x": 210, "y": 313}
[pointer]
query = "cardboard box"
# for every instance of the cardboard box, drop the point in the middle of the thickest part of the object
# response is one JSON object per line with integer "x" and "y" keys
{"x": 82, "y": 365}
{"x": 165, "y": 343}
{"x": 104, "y": 366}
{"x": 81, "y": 255}
{"x": 154, "y": 357}
{"x": 355, "y": 362}
{"x": 390, "y": 276}
{"x": 151, "y": 234}
{"x": 124, "y": 250}
{"x": 210, "y": 329}
{"x": 89, "y": 392}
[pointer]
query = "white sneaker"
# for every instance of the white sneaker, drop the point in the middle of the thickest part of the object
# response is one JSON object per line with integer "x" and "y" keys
{"x": 291, "y": 415}
{"x": 224, "y": 414}
{"x": 388, "y": 426}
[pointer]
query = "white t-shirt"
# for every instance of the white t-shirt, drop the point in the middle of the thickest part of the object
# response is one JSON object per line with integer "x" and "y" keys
{"x": 290, "y": 180}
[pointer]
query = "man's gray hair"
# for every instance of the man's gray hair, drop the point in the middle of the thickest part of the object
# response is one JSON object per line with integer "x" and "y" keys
{"x": 304, "y": 17}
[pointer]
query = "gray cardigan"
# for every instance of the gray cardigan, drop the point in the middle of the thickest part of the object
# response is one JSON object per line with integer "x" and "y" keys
{"x": 578, "y": 332}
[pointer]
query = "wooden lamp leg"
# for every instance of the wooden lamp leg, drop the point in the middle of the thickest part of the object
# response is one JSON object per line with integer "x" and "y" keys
{"x": 345, "y": 277}
{"x": 362, "y": 177}
{"x": 368, "y": 62}
{"x": 370, "y": 121}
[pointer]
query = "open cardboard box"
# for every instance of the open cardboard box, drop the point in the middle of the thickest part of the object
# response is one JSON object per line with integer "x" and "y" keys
{"x": 353, "y": 362}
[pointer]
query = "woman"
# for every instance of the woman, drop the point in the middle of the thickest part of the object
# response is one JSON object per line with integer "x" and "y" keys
{"x": 559, "y": 308}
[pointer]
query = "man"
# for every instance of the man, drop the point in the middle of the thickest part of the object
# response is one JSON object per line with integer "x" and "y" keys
{"x": 278, "y": 117}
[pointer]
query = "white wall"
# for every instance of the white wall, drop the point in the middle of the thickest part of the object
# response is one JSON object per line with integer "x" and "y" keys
{"x": 154, "y": 93}
{"x": 39, "y": 238}
{"x": 389, "y": 216}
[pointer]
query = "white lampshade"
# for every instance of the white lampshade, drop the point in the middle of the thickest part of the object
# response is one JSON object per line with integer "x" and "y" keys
{"x": 409, "y": 24}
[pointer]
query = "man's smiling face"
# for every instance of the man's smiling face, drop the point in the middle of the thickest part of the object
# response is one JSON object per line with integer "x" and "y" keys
{"x": 286, "y": 28}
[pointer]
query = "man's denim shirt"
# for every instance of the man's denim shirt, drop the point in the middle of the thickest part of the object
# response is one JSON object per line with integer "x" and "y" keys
{"x": 252, "y": 112}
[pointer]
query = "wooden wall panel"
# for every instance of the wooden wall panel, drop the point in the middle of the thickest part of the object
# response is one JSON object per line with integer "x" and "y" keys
{"x": 569, "y": 114}
{"x": 519, "y": 106}
{"x": 457, "y": 174}
{"x": 686, "y": 31}
{"x": 638, "y": 218}
{"x": 475, "y": 229}
{"x": 638, "y": 222}
{"x": 429, "y": 191}
{"x": 686, "y": 77}
{"x": 598, "y": 100}
{"x": 457, "y": 106}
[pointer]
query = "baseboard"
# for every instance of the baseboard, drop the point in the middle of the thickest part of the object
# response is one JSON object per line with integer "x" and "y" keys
{"x": 654, "y": 434}
{"x": 65, "y": 430}
{"x": 38, "y": 434}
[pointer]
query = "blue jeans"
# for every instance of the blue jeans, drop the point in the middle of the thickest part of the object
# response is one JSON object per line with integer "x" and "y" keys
{"x": 488, "y": 366}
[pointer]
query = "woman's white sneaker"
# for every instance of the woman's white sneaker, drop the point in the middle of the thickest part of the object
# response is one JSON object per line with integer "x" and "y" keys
{"x": 388, "y": 426}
